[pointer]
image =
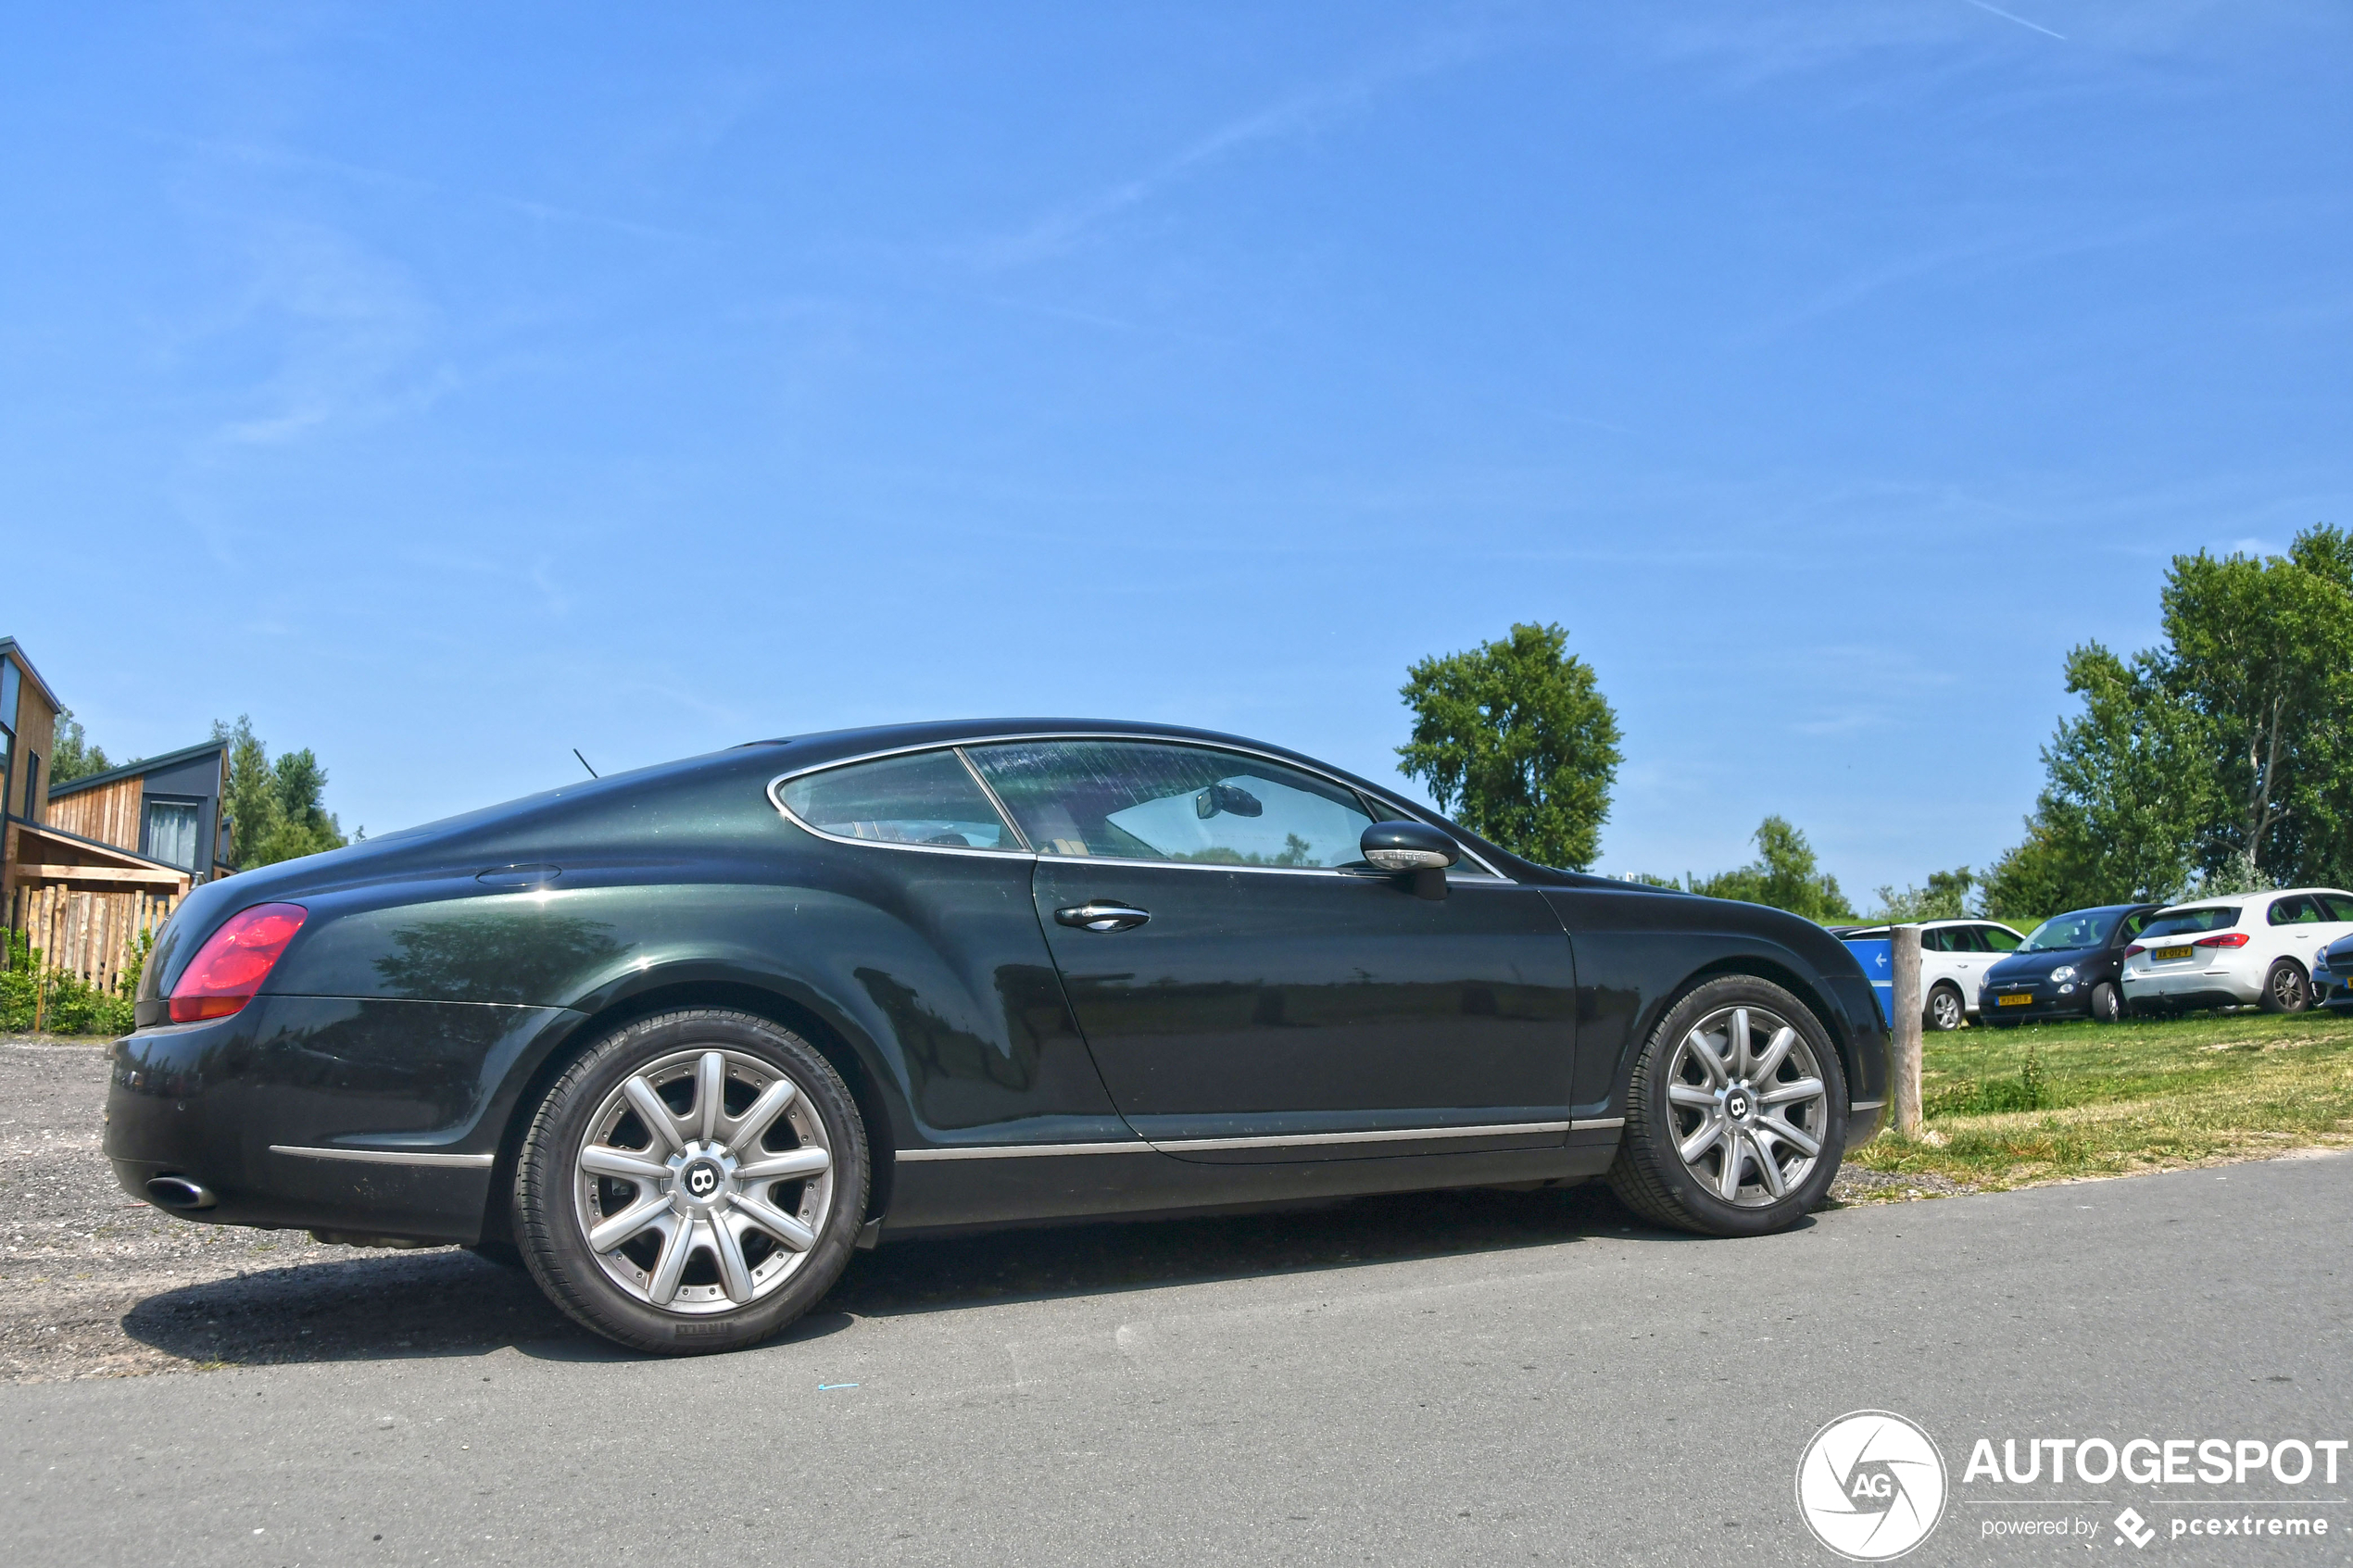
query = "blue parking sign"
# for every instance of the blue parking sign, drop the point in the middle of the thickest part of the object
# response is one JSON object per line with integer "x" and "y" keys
{"x": 1876, "y": 954}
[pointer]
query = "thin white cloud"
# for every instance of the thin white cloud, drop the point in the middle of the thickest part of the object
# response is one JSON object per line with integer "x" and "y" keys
{"x": 1301, "y": 113}
{"x": 2013, "y": 16}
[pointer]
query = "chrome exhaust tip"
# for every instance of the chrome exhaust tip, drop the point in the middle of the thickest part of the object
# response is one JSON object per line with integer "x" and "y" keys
{"x": 178, "y": 1193}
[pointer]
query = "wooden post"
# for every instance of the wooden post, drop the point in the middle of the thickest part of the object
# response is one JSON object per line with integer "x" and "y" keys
{"x": 1906, "y": 941}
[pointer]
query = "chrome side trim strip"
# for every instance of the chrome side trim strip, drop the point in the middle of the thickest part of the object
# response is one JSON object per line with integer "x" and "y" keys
{"x": 1387, "y": 1135}
{"x": 1853, "y": 1105}
{"x": 390, "y": 1157}
{"x": 1593, "y": 1123}
{"x": 1285, "y": 1140}
{"x": 1022, "y": 1151}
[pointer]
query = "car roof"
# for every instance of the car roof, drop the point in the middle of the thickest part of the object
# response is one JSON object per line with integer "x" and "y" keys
{"x": 2265, "y": 896}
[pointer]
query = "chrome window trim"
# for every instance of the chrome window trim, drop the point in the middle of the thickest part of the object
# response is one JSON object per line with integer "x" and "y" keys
{"x": 1004, "y": 812}
{"x": 1285, "y": 1140}
{"x": 776, "y": 799}
{"x": 389, "y": 1156}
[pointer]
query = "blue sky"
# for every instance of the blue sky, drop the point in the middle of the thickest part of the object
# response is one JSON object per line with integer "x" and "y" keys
{"x": 450, "y": 386}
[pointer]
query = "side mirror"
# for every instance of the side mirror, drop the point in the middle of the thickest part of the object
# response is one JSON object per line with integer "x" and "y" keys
{"x": 1412, "y": 848}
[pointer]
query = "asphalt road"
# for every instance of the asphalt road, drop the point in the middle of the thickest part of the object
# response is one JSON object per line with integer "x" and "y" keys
{"x": 1573, "y": 1392}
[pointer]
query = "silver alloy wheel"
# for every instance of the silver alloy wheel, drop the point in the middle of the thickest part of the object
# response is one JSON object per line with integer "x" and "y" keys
{"x": 1748, "y": 1123}
{"x": 691, "y": 1207}
{"x": 2288, "y": 988}
{"x": 1945, "y": 1005}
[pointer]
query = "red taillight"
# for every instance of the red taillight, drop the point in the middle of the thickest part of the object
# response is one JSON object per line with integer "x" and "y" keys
{"x": 2135, "y": 948}
{"x": 234, "y": 963}
{"x": 2228, "y": 939}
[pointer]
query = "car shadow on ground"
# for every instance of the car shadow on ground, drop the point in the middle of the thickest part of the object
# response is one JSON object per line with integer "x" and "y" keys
{"x": 447, "y": 1302}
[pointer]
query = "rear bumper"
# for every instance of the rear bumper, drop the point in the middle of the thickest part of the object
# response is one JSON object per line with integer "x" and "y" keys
{"x": 2215, "y": 986}
{"x": 330, "y": 1113}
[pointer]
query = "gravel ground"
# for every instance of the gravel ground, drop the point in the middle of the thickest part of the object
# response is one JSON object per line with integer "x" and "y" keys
{"x": 94, "y": 1284}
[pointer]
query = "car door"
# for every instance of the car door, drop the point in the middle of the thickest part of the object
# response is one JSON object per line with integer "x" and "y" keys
{"x": 2297, "y": 924}
{"x": 1939, "y": 961}
{"x": 1252, "y": 991}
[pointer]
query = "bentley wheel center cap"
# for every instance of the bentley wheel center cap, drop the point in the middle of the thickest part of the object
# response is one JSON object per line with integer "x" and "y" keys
{"x": 703, "y": 1178}
{"x": 1737, "y": 1105}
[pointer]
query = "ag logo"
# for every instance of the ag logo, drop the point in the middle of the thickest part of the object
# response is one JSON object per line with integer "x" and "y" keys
{"x": 1870, "y": 1486}
{"x": 702, "y": 1179}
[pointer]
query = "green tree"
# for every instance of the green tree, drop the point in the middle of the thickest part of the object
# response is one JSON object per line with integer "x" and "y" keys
{"x": 2222, "y": 758}
{"x": 2261, "y": 651}
{"x": 1785, "y": 874}
{"x": 71, "y": 756}
{"x": 1515, "y": 740}
{"x": 1944, "y": 897}
{"x": 275, "y": 809}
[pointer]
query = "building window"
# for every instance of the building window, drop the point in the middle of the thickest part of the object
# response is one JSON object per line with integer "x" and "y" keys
{"x": 32, "y": 786}
{"x": 171, "y": 833}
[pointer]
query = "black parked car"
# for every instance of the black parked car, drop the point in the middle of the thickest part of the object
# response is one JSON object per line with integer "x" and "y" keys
{"x": 2068, "y": 967}
{"x": 678, "y": 1040}
{"x": 2332, "y": 977}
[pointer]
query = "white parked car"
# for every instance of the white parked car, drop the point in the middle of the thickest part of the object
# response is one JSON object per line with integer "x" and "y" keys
{"x": 2252, "y": 947}
{"x": 1954, "y": 955}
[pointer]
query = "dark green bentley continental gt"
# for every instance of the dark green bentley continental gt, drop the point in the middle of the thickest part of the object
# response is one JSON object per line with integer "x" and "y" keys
{"x": 678, "y": 1040}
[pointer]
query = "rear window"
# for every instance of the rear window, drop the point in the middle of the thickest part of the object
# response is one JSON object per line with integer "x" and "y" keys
{"x": 930, "y": 798}
{"x": 2177, "y": 923}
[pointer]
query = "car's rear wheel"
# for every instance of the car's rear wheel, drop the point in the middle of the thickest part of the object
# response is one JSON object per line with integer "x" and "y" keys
{"x": 2285, "y": 989}
{"x": 1946, "y": 1011}
{"x": 2106, "y": 1006}
{"x": 694, "y": 1182}
{"x": 1736, "y": 1114}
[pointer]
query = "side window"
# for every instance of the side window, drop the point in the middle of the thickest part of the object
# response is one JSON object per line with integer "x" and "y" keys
{"x": 2298, "y": 911}
{"x": 2133, "y": 924}
{"x": 1938, "y": 939}
{"x": 1998, "y": 939}
{"x": 1144, "y": 800}
{"x": 2339, "y": 906}
{"x": 930, "y": 798}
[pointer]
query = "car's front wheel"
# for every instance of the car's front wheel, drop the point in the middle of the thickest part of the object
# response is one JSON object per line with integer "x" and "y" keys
{"x": 2106, "y": 1006}
{"x": 1736, "y": 1114}
{"x": 1946, "y": 1011}
{"x": 694, "y": 1182}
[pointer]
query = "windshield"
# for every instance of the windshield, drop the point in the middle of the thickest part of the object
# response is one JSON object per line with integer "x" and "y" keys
{"x": 2085, "y": 928}
{"x": 2173, "y": 922}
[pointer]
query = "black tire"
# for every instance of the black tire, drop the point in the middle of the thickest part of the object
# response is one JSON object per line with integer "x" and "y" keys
{"x": 1651, "y": 1177}
{"x": 2108, "y": 1007}
{"x": 2285, "y": 989}
{"x": 550, "y": 1209}
{"x": 1945, "y": 1009}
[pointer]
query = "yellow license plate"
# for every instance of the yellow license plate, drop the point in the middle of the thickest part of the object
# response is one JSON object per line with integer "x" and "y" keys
{"x": 2162, "y": 954}
{"x": 2024, "y": 998}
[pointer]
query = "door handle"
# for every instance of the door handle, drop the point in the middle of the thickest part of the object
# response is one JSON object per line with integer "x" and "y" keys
{"x": 1100, "y": 916}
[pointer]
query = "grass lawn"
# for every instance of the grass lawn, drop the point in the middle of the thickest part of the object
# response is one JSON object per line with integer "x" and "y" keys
{"x": 2012, "y": 1107}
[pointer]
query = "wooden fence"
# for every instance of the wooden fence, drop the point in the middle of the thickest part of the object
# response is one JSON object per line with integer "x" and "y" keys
{"x": 92, "y": 936}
